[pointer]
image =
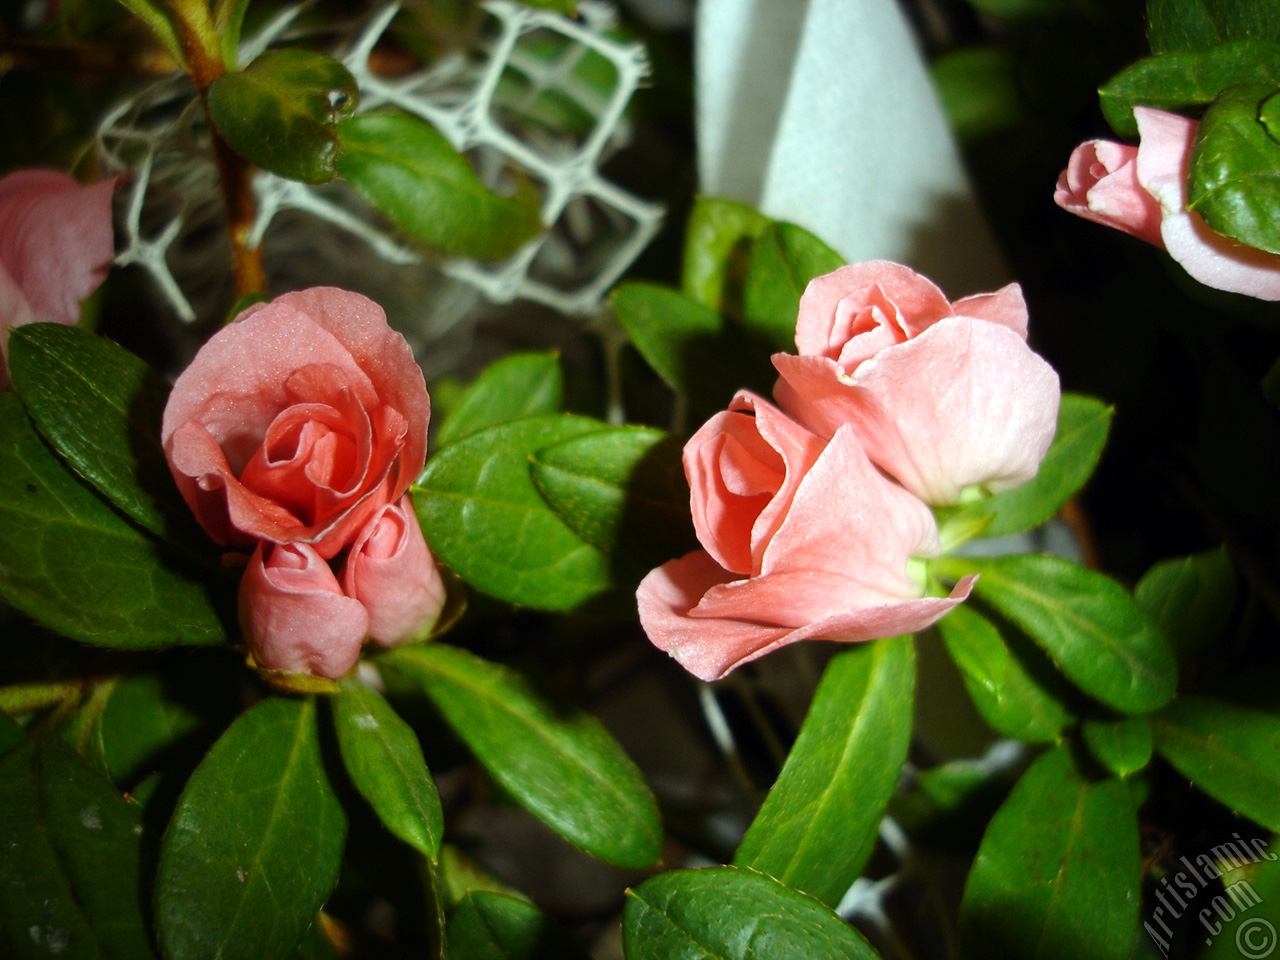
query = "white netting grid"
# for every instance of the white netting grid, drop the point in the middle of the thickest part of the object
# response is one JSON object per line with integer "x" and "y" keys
{"x": 593, "y": 229}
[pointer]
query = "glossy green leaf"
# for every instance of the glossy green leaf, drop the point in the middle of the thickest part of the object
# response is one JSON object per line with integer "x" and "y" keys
{"x": 281, "y": 111}
{"x": 688, "y": 345}
{"x": 494, "y": 926}
{"x": 10, "y": 733}
{"x": 1122, "y": 746}
{"x": 1083, "y": 423}
{"x": 1231, "y": 752}
{"x": 385, "y": 762}
{"x": 819, "y": 823}
{"x": 623, "y": 491}
{"x": 1058, "y": 874}
{"x": 254, "y": 845}
{"x": 518, "y": 385}
{"x": 99, "y": 406}
{"x": 559, "y": 762}
{"x": 1094, "y": 631}
{"x": 73, "y": 563}
{"x": 484, "y": 517}
{"x": 228, "y": 21}
{"x": 1190, "y": 599}
{"x": 158, "y": 18}
{"x": 1184, "y": 79}
{"x": 1017, "y": 693}
{"x": 69, "y": 860}
{"x": 727, "y": 913}
{"x": 1232, "y": 181}
{"x": 414, "y": 176}
{"x": 716, "y": 249}
{"x": 784, "y": 258}
{"x": 1192, "y": 24}
{"x": 139, "y": 721}
{"x": 1251, "y": 893}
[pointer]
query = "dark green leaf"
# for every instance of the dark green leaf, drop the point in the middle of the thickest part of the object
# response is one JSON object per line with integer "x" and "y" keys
{"x": 978, "y": 86}
{"x": 1094, "y": 631}
{"x": 1083, "y": 423}
{"x": 10, "y": 734}
{"x": 69, "y": 860}
{"x": 411, "y": 173}
{"x": 382, "y": 755}
{"x": 559, "y": 6}
{"x": 559, "y": 762}
{"x": 73, "y": 563}
{"x": 1015, "y": 692}
{"x": 484, "y": 517}
{"x": 160, "y": 20}
{"x": 819, "y": 823}
{"x": 1189, "y": 24}
{"x": 1229, "y": 751}
{"x": 1234, "y": 178}
{"x": 139, "y": 721}
{"x": 783, "y": 260}
{"x": 716, "y": 247}
{"x": 623, "y": 491}
{"x": 254, "y": 845}
{"x": 688, "y": 345}
{"x": 1190, "y": 599}
{"x": 518, "y": 385}
{"x": 494, "y": 926}
{"x": 1013, "y": 10}
{"x": 726, "y": 913}
{"x": 1122, "y": 746}
{"x": 1183, "y": 79}
{"x": 99, "y": 406}
{"x": 1252, "y": 892}
{"x": 1058, "y": 874}
{"x": 280, "y": 112}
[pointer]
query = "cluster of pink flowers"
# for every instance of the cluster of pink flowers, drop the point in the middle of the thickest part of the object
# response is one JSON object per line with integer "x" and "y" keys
{"x": 1142, "y": 190}
{"x": 814, "y": 514}
{"x": 295, "y": 433}
{"x": 55, "y": 247}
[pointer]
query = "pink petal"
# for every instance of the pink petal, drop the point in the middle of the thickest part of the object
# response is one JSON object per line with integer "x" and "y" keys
{"x": 1214, "y": 260}
{"x": 295, "y": 615}
{"x": 1101, "y": 184}
{"x": 391, "y": 571}
{"x": 1006, "y": 307}
{"x": 829, "y": 301}
{"x": 710, "y": 647}
{"x": 56, "y": 241}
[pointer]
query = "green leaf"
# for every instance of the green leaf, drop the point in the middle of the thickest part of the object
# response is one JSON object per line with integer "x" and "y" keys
{"x": 157, "y": 17}
{"x": 1083, "y": 423}
{"x": 1229, "y": 751}
{"x": 1094, "y": 631}
{"x": 69, "y": 859}
{"x": 484, "y": 517}
{"x": 73, "y": 563}
{"x": 1190, "y": 599}
{"x": 518, "y": 385}
{"x": 558, "y": 762}
{"x": 139, "y": 720}
{"x": 819, "y": 823}
{"x": 254, "y": 844}
{"x": 1016, "y": 692}
{"x": 1184, "y": 79}
{"x": 228, "y": 20}
{"x": 1013, "y": 10}
{"x": 623, "y": 491}
{"x": 1122, "y": 746}
{"x": 1234, "y": 177}
{"x": 411, "y": 173}
{"x": 10, "y": 734}
{"x": 494, "y": 926}
{"x": 726, "y": 913}
{"x": 716, "y": 247}
{"x": 978, "y": 86}
{"x": 1252, "y": 891}
{"x": 1188, "y": 24}
{"x": 383, "y": 757}
{"x": 784, "y": 258}
{"x": 99, "y": 406}
{"x": 688, "y": 345}
{"x": 281, "y": 112}
{"x": 559, "y": 6}
{"x": 1058, "y": 874}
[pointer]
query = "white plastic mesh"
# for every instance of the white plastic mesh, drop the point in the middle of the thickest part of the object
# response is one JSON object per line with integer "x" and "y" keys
{"x": 593, "y": 229}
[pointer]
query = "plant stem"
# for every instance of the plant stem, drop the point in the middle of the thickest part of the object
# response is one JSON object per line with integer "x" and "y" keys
{"x": 203, "y": 50}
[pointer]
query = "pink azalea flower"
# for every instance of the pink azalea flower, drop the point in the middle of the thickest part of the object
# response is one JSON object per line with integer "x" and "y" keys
{"x": 1143, "y": 191}
{"x": 55, "y": 247}
{"x": 803, "y": 540}
{"x": 942, "y": 396}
